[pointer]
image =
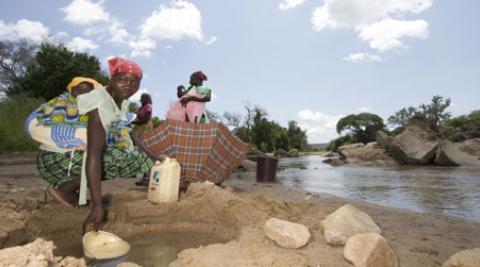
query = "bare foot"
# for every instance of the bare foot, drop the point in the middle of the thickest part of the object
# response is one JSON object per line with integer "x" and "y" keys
{"x": 67, "y": 199}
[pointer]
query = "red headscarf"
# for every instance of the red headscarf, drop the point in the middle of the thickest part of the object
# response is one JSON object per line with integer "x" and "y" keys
{"x": 199, "y": 74}
{"x": 120, "y": 65}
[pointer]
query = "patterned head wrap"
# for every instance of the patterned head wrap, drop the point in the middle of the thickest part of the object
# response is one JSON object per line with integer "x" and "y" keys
{"x": 120, "y": 65}
{"x": 200, "y": 75}
{"x": 78, "y": 80}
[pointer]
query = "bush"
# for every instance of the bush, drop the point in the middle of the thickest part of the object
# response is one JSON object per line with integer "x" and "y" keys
{"x": 13, "y": 113}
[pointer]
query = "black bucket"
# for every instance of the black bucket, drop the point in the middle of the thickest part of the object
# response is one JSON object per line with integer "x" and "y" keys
{"x": 266, "y": 169}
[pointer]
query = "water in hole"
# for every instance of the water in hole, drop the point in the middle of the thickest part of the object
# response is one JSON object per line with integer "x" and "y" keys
{"x": 156, "y": 249}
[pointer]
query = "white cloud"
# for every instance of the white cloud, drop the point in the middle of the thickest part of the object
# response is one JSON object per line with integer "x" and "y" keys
{"x": 288, "y": 4}
{"x": 212, "y": 40}
{"x": 61, "y": 36}
{"x": 179, "y": 20}
{"x": 117, "y": 32}
{"x": 99, "y": 21}
{"x": 113, "y": 32}
{"x": 24, "y": 29}
{"x": 376, "y": 21}
{"x": 85, "y": 12}
{"x": 176, "y": 21}
{"x": 387, "y": 34}
{"x": 320, "y": 127}
{"x": 142, "y": 48}
{"x": 362, "y": 58}
{"x": 81, "y": 45}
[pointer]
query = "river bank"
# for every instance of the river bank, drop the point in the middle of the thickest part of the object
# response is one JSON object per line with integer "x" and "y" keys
{"x": 234, "y": 214}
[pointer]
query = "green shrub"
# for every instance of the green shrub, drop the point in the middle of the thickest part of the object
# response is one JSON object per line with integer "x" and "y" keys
{"x": 13, "y": 113}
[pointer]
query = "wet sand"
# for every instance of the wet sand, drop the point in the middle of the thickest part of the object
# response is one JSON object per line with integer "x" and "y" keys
{"x": 232, "y": 214}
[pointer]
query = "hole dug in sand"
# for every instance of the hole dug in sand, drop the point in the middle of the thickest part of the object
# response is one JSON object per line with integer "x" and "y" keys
{"x": 155, "y": 232}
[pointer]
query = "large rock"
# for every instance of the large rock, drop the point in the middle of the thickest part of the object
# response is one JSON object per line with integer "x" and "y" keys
{"x": 281, "y": 153}
{"x": 417, "y": 144}
{"x": 464, "y": 258}
{"x": 254, "y": 153}
{"x": 369, "y": 250}
{"x": 346, "y": 148}
{"x": 383, "y": 139}
{"x": 287, "y": 234}
{"x": 332, "y": 154}
{"x": 464, "y": 153}
{"x": 346, "y": 222}
{"x": 36, "y": 254}
{"x": 335, "y": 161}
{"x": 369, "y": 154}
{"x": 293, "y": 152}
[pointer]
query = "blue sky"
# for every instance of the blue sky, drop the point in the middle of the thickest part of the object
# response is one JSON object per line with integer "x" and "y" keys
{"x": 304, "y": 60}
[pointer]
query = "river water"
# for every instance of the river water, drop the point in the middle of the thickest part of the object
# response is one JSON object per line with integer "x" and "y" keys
{"x": 449, "y": 191}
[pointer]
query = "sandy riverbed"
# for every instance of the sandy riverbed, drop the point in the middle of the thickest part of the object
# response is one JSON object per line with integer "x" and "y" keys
{"x": 234, "y": 214}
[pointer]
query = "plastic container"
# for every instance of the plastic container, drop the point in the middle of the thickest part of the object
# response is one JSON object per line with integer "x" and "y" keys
{"x": 164, "y": 181}
{"x": 104, "y": 246}
{"x": 266, "y": 169}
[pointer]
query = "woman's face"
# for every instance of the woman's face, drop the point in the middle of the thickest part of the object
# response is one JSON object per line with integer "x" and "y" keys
{"x": 81, "y": 89}
{"x": 124, "y": 85}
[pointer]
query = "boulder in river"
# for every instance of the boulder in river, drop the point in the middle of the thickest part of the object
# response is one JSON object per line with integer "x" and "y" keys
{"x": 417, "y": 144}
{"x": 466, "y": 153}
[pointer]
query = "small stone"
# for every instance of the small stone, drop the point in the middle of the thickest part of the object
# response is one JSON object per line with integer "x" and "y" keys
{"x": 346, "y": 222}
{"x": 287, "y": 234}
{"x": 464, "y": 258}
{"x": 369, "y": 250}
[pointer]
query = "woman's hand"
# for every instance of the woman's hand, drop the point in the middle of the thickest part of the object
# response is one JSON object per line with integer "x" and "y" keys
{"x": 184, "y": 101}
{"x": 92, "y": 223}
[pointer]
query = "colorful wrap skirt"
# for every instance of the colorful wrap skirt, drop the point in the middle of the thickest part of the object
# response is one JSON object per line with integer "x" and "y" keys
{"x": 57, "y": 168}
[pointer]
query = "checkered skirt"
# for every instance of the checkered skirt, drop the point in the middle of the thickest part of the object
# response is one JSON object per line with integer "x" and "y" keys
{"x": 206, "y": 152}
{"x": 54, "y": 167}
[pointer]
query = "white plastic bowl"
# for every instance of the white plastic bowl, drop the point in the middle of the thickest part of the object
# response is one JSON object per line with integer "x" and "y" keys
{"x": 103, "y": 245}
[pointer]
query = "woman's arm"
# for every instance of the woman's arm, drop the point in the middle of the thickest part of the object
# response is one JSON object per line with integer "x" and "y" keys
{"x": 180, "y": 91}
{"x": 95, "y": 145}
{"x": 206, "y": 98}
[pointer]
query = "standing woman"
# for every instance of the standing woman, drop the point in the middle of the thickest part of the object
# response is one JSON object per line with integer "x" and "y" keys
{"x": 191, "y": 104}
{"x": 143, "y": 122}
{"x": 105, "y": 107}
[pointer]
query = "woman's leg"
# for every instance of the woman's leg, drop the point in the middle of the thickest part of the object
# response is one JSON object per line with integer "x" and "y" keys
{"x": 62, "y": 172}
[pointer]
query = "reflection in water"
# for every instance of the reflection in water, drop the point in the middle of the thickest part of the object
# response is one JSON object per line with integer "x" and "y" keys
{"x": 437, "y": 190}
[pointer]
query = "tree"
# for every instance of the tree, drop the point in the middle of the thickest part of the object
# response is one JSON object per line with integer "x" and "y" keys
{"x": 14, "y": 59}
{"x": 232, "y": 119}
{"x": 435, "y": 113}
{"x": 52, "y": 69}
{"x": 213, "y": 116}
{"x": 297, "y": 138}
{"x": 133, "y": 107}
{"x": 156, "y": 121}
{"x": 363, "y": 127}
{"x": 248, "y": 121}
{"x": 401, "y": 117}
{"x": 462, "y": 127}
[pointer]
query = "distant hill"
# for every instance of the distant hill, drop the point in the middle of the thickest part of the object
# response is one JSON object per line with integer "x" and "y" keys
{"x": 319, "y": 146}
